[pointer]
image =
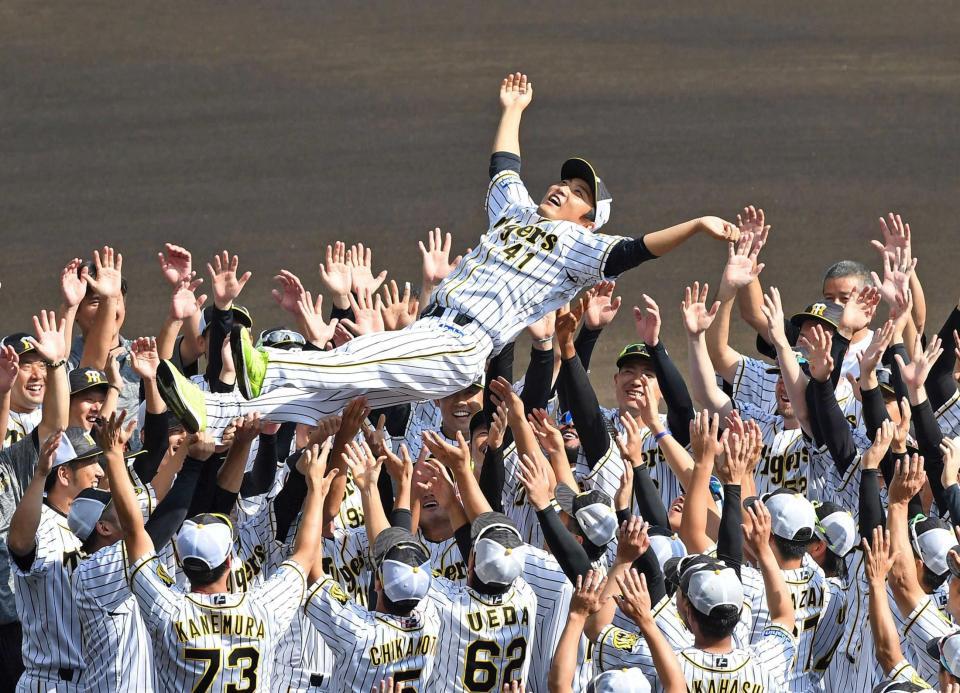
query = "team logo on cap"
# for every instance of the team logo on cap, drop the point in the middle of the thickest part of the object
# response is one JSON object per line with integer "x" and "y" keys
{"x": 94, "y": 377}
{"x": 818, "y": 309}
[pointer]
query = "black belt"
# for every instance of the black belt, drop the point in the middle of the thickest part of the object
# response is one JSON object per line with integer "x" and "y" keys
{"x": 436, "y": 311}
{"x": 316, "y": 680}
{"x": 66, "y": 674}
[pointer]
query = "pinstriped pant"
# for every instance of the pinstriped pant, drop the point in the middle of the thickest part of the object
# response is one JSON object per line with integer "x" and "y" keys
{"x": 429, "y": 359}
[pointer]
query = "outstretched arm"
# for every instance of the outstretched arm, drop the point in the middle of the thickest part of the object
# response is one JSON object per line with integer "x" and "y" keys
{"x": 697, "y": 318}
{"x": 516, "y": 93}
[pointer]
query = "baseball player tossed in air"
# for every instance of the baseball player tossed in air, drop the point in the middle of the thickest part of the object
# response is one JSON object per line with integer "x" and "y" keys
{"x": 533, "y": 259}
{"x": 208, "y": 639}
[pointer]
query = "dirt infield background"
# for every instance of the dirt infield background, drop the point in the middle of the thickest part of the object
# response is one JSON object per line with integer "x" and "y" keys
{"x": 275, "y": 130}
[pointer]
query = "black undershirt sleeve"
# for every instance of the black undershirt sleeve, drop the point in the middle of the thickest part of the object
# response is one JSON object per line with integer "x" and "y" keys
{"x": 260, "y": 478}
{"x": 871, "y": 509}
{"x": 155, "y": 442}
{"x": 586, "y": 412}
{"x": 464, "y": 541}
{"x": 565, "y": 548}
{"x": 290, "y": 499}
{"x": 648, "y": 565}
{"x": 500, "y": 162}
{"x": 929, "y": 437}
{"x": 675, "y": 393}
{"x": 874, "y": 411}
{"x": 648, "y": 498}
{"x": 730, "y": 536}
{"x": 940, "y": 383}
{"x": 401, "y": 517}
{"x": 625, "y": 255}
{"x": 832, "y": 424}
{"x": 492, "y": 478}
{"x": 172, "y": 510}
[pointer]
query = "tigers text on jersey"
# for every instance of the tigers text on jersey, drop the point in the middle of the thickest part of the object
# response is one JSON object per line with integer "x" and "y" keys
{"x": 45, "y": 604}
{"x": 115, "y": 640}
{"x": 485, "y": 640}
{"x": 215, "y": 642}
{"x": 445, "y": 558}
{"x": 369, "y": 646}
{"x": 524, "y": 267}
{"x": 785, "y": 459}
{"x": 760, "y": 668}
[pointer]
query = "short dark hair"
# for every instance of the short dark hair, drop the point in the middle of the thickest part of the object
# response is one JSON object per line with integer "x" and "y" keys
{"x": 398, "y": 608}
{"x": 719, "y": 623}
{"x": 201, "y": 577}
{"x": 790, "y": 548}
{"x": 930, "y": 580}
{"x": 848, "y": 268}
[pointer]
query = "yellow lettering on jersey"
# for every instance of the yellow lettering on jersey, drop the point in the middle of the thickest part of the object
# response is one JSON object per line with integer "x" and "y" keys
{"x": 402, "y": 648}
{"x": 496, "y": 617}
{"x": 240, "y": 578}
{"x": 724, "y": 686}
{"x": 219, "y": 624}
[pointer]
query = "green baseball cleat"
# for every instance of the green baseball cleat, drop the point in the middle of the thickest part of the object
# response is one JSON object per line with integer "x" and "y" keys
{"x": 249, "y": 361}
{"x": 183, "y": 398}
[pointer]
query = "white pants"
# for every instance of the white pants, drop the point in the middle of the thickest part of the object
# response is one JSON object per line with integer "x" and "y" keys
{"x": 430, "y": 359}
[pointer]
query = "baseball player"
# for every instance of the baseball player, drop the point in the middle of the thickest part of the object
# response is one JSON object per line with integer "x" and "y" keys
{"x": 399, "y": 638}
{"x": 26, "y": 388}
{"x": 209, "y": 639}
{"x": 532, "y": 260}
{"x": 45, "y": 553}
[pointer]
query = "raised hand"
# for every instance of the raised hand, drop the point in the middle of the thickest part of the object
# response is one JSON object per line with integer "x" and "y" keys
{"x": 184, "y": 302}
{"x": 49, "y": 342}
{"x": 535, "y": 477}
{"x": 361, "y": 270}
{"x": 313, "y": 465}
{"x": 108, "y": 265}
{"x": 144, "y": 357}
{"x": 634, "y": 598}
{"x": 9, "y": 367}
{"x": 326, "y": 427}
{"x": 950, "y": 449}
{"x": 704, "y": 436}
{"x": 721, "y": 230}
{"x": 376, "y": 437}
{"x": 731, "y": 467}
{"x": 364, "y": 467}
{"x": 632, "y": 540}
{"x": 73, "y": 287}
{"x": 859, "y": 310}
{"x": 565, "y": 327}
{"x": 502, "y": 390}
{"x": 110, "y": 433}
{"x": 456, "y": 458}
{"x": 399, "y": 467}
{"x": 902, "y": 429}
{"x": 742, "y": 266}
{"x": 908, "y": 479}
{"x": 544, "y": 427}
{"x": 914, "y": 374}
{"x": 247, "y": 428}
{"x": 772, "y": 310}
{"x": 697, "y": 318}
{"x": 290, "y": 292}
{"x": 756, "y": 527}
{"x": 873, "y": 456}
{"x": 753, "y": 221}
{"x": 623, "y": 498}
{"x": 435, "y": 257}
{"x": 336, "y": 274}
{"x": 387, "y": 685}
{"x": 431, "y": 478}
{"x": 817, "y": 350}
{"x": 601, "y": 306}
{"x": 48, "y": 451}
{"x": 631, "y": 444}
{"x": 516, "y": 92}
{"x": 879, "y": 556}
{"x": 878, "y": 345}
{"x": 498, "y": 427}
{"x": 586, "y": 599}
{"x": 341, "y": 335}
{"x": 897, "y": 269}
{"x": 176, "y": 264}
{"x": 224, "y": 282}
{"x": 367, "y": 316}
{"x": 310, "y": 319}
{"x": 396, "y": 310}
{"x": 647, "y": 321}
{"x": 896, "y": 236}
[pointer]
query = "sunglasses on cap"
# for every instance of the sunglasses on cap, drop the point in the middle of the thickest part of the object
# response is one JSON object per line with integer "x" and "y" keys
{"x": 281, "y": 336}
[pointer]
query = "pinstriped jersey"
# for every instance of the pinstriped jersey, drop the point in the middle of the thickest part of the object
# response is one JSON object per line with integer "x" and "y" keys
{"x": 369, "y": 646}
{"x": 924, "y": 623}
{"x": 221, "y": 643}
{"x": 45, "y": 604}
{"x": 514, "y": 499}
{"x": 115, "y": 639}
{"x": 948, "y": 416}
{"x": 20, "y": 425}
{"x": 445, "y": 558}
{"x": 759, "y": 668}
{"x": 785, "y": 459}
{"x": 524, "y": 267}
{"x": 485, "y": 640}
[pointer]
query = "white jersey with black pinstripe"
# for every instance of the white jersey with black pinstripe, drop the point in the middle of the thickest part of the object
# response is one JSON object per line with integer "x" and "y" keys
{"x": 816, "y": 601}
{"x": 445, "y": 558}
{"x": 924, "y": 623}
{"x": 514, "y": 499}
{"x": 20, "y": 425}
{"x": 759, "y": 668}
{"x": 785, "y": 459}
{"x": 52, "y": 639}
{"x": 369, "y": 646}
{"x": 485, "y": 640}
{"x": 948, "y": 416}
{"x": 220, "y": 643}
{"x": 115, "y": 640}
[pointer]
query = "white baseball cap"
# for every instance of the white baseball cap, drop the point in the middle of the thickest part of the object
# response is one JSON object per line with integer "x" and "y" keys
{"x": 709, "y": 584}
{"x": 204, "y": 541}
{"x": 403, "y": 563}
{"x": 836, "y": 527}
{"x": 932, "y": 540}
{"x": 792, "y": 516}
{"x": 666, "y": 545}
{"x": 85, "y": 511}
{"x": 946, "y": 650}
{"x": 498, "y": 555}
{"x": 593, "y": 511}
{"x": 630, "y": 680}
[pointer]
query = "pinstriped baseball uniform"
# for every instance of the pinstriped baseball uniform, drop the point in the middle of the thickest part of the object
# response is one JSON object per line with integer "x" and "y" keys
{"x": 815, "y": 599}
{"x": 445, "y": 558}
{"x": 20, "y": 425}
{"x": 523, "y": 268}
{"x": 215, "y": 642}
{"x": 485, "y": 640}
{"x": 45, "y": 605}
{"x": 514, "y": 499}
{"x": 618, "y": 648}
{"x": 904, "y": 671}
{"x": 369, "y": 646}
{"x": 830, "y": 630}
{"x": 785, "y": 460}
{"x": 948, "y": 416}
{"x": 303, "y": 663}
{"x": 758, "y": 668}
{"x": 924, "y": 623}
{"x": 115, "y": 640}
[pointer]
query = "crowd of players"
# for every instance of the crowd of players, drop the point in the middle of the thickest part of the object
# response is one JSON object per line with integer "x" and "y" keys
{"x": 778, "y": 522}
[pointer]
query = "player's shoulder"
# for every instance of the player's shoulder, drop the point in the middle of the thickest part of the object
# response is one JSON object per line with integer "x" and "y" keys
{"x": 774, "y": 636}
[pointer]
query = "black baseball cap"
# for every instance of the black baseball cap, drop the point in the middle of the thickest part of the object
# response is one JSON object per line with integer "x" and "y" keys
{"x": 20, "y": 341}
{"x": 398, "y": 544}
{"x": 602, "y": 200}
{"x": 82, "y": 379}
{"x": 78, "y": 448}
{"x": 637, "y": 350}
{"x": 827, "y": 313}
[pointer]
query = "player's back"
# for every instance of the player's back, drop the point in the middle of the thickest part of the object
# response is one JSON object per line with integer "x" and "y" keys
{"x": 739, "y": 670}
{"x": 115, "y": 640}
{"x": 524, "y": 267}
{"x": 485, "y": 640}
